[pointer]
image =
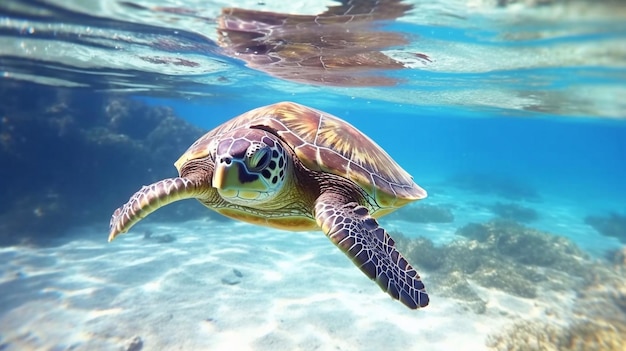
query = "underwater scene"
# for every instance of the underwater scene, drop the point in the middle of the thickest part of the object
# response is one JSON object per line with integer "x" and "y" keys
{"x": 352, "y": 175}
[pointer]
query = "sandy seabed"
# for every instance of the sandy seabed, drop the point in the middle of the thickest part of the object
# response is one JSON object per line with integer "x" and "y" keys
{"x": 215, "y": 285}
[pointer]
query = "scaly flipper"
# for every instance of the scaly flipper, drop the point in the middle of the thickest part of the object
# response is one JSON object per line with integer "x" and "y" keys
{"x": 358, "y": 235}
{"x": 152, "y": 197}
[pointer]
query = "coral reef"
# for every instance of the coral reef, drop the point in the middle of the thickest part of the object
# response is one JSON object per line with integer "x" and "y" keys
{"x": 455, "y": 284}
{"x": 613, "y": 224}
{"x": 422, "y": 250}
{"x": 422, "y": 213}
{"x": 514, "y": 212}
{"x": 583, "y": 335}
{"x": 604, "y": 294}
{"x": 597, "y": 322}
{"x": 504, "y": 255}
{"x": 617, "y": 257}
{"x": 526, "y": 246}
{"x": 71, "y": 157}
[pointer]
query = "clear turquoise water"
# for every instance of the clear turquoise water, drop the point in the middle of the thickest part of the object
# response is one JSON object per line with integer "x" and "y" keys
{"x": 515, "y": 97}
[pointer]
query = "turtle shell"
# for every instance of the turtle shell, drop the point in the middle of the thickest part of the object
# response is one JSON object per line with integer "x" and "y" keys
{"x": 325, "y": 143}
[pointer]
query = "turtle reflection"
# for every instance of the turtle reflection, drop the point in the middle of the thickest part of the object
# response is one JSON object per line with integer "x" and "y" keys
{"x": 341, "y": 46}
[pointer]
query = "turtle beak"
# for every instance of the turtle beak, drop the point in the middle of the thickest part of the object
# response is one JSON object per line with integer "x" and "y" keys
{"x": 232, "y": 175}
{"x": 224, "y": 175}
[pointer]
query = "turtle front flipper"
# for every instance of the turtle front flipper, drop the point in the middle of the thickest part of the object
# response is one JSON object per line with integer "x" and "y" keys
{"x": 152, "y": 197}
{"x": 358, "y": 235}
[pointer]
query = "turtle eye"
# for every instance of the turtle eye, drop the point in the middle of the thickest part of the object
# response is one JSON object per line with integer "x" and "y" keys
{"x": 259, "y": 159}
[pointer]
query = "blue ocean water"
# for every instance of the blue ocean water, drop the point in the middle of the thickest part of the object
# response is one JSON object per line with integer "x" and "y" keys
{"x": 577, "y": 158}
{"x": 508, "y": 111}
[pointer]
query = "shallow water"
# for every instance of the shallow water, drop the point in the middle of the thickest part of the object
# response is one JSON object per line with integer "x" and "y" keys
{"x": 510, "y": 114}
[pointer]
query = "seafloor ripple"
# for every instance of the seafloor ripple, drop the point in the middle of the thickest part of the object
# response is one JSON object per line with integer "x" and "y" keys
{"x": 221, "y": 285}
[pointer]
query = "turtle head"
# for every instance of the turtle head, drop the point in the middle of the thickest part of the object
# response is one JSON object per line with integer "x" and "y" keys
{"x": 250, "y": 167}
{"x": 247, "y": 167}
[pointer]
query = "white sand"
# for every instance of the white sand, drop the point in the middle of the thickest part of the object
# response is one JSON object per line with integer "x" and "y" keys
{"x": 296, "y": 292}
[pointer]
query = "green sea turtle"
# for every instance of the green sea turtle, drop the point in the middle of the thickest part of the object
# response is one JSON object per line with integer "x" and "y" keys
{"x": 292, "y": 167}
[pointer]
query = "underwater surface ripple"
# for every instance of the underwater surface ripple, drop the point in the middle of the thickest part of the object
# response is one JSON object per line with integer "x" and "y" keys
{"x": 510, "y": 113}
{"x": 562, "y": 59}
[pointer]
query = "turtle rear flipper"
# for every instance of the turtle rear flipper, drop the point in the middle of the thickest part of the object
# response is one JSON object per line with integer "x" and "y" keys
{"x": 358, "y": 235}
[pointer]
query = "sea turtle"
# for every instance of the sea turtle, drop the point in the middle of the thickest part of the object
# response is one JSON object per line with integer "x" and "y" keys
{"x": 292, "y": 167}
